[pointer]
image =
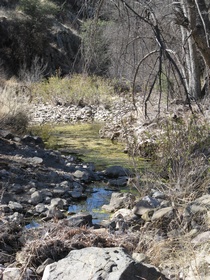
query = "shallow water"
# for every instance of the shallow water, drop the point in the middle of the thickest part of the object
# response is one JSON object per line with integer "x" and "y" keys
{"x": 83, "y": 141}
{"x": 97, "y": 198}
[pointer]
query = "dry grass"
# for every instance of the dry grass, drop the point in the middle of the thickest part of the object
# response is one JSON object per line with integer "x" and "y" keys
{"x": 179, "y": 169}
{"x": 14, "y": 102}
{"x": 77, "y": 89}
{"x": 59, "y": 239}
{"x": 176, "y": 255}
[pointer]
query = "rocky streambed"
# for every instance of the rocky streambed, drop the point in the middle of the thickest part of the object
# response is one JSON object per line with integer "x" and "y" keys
{"x": 42, "y": 236}
{"x": 40, "y": 187}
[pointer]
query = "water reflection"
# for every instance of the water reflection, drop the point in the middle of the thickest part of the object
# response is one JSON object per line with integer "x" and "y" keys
{"x": 98, "y": 196}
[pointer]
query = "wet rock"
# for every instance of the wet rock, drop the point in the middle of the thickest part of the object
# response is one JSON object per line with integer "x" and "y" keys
{"x": 77, "y": 194}
{"x": 6, "y": 198}
{"x": 85, "y": 176}
{"x": 78, "y": 186}
{"x": 80, "y": 219}
{"x": 18, "y": 189}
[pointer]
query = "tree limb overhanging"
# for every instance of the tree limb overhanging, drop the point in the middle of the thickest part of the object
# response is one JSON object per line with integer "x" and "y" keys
{"x": 164, "y": 54}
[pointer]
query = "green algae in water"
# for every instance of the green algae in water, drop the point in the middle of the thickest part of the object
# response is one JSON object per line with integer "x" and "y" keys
{"x": 83, "y": 141}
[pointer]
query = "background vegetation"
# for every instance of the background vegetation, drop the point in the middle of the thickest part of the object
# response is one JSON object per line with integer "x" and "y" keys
{"x": 91, "y": 52}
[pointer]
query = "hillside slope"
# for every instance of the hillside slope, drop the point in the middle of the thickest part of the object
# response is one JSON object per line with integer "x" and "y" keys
{"x": 39, "y": 29}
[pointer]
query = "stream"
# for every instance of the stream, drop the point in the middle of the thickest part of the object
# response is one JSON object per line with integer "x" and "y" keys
{"x": 97, "y": 197}
{"x": 83, "y": 142}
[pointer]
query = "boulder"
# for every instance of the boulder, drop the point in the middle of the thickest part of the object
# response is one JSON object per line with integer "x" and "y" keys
{"x": 116, "y": 171}
{"x": 80, "y": 219}
{"x": 118, "y": 201}
{"x": 100, "y": 263}
{"x": 145, "y": 205}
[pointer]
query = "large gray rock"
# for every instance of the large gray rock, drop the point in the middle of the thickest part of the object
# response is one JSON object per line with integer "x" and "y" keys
{"x": 100, "y": 263}
{"x": 119, "y": 200}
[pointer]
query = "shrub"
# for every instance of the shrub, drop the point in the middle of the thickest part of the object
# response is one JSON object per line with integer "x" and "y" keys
{"x": 180, "y": 163}
{"x": 37, "y": 9}
{"x": 13, "y": 108}
{"x": 78, "y": 89}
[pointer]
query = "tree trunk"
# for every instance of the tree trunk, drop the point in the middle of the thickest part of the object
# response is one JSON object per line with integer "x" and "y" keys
{"x": 191, "y": 55}
{"x": 194, "y": 21}
{"x": 200, "y": 27}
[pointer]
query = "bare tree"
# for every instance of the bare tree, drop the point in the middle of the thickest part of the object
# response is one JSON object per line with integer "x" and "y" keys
{"x": 170, "y": 40}
{"x": 193, "y": 18}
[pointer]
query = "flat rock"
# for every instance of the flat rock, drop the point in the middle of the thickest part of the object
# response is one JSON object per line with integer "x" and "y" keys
{"x": 100, "y": 263}
{"x": 80, "y": 219}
